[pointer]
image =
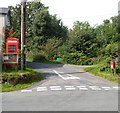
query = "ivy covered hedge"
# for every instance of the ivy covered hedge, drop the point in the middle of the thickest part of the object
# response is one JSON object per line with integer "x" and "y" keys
{"x": 21, "y": 76}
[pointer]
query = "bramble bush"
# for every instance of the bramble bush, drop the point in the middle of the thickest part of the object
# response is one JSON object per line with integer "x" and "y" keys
{"x": 77, "y": 58}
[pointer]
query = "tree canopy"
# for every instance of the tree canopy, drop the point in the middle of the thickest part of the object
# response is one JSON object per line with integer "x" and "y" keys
{"x": 47, "y": 35}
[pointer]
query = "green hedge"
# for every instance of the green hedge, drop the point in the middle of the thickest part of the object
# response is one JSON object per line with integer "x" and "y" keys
{"x": 39, "y": 58}
{"x": 20, "y": 77}
{"x": 77, "y": 58}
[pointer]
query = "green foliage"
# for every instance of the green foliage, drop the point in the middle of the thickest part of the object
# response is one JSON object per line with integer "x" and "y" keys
{"x": 35, "y": 43}
{"x": 105, "y": 65}
{"x": 117, "y": 70}
{"x": 4, "y": 47}
{"x": 111, "y": 50}
{"x": 107, "y": 75}
{"x": 33, "y": 53}
{"x": 47, "y": 51}
{"x": 39, "y": 58}
{"x": 107, "y": 33}
{"x": 48, "y": 38}
{"x": 26, "y": 76}
{"x": 77, "y": 58}
{"x": 50, "y": 47}
{"x": 41, "y": 23}
{"x": 82, "y": 39}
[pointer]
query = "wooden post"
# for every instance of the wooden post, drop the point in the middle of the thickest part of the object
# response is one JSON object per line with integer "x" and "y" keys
{"x": 23, "y": 34}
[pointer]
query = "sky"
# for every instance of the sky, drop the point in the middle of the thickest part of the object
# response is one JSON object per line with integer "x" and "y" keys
{"x": 93, "y": 11}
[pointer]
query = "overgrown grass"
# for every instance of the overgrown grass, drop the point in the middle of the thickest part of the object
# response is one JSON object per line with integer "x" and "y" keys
{"x": 11, "y": 87}
{"x": 104, "y": 74}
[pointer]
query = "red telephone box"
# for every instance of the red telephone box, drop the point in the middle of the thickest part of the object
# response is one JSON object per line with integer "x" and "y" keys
{"x": 12, "y": 45}
{"x": 112, "y": 65}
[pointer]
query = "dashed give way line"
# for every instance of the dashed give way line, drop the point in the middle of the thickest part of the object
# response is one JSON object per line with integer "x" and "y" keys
{"x": 72, "y": 88}
{"x": 26, "y": 91}
{"x": 65, "y": 78}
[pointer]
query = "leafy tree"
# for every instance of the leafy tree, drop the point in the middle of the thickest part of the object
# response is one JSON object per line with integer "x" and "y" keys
{"x": 15, "y": 18}
{"x": 12, "y": 33}
{"x": 51, "y": 47}
{"x": 5, "y": 33}
{"x": 42, "y": 23}
{"x": 82, "y": 38}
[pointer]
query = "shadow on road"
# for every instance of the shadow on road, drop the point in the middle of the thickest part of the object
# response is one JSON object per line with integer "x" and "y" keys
{"x": 35, "y": 65}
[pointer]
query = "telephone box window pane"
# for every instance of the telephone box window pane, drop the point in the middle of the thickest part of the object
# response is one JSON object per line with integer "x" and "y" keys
{"x": 12, "y": 45}
{"x": 11, "y": 51}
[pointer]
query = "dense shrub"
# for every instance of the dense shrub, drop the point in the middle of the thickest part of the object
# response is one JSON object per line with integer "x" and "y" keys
{"x": 77, "y": 58}
{"x": 109, "y": 50}
{"x": 39, "y": 57}
{"x": 118, "y": 68}
{"x": 20, "y": 77}
{"x": 104, "y": 65}
{"x": 36, "y": 55}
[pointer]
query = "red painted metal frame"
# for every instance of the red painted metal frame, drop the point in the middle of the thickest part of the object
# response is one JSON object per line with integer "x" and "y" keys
{"x": 12, "y": 45}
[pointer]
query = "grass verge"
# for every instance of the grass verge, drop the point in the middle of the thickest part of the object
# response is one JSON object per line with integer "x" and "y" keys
{"x": 106, "y": 75}
{"x": 22, "y": 83}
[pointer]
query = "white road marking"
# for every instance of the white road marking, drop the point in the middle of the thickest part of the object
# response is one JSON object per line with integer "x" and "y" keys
{"x": 95, "y": 88}
{"x": 116, "y": 88}
{"x": 66, "y": 78}
{"x": 55, "y": 88}
{"x": 82, "y": 87}
{"x": 59, "y": 74}
{"x": 26, "y": 91}
{"x": 42, "y": 89}
{"x": 69, "y": 87}
{"x": 73, "y": 77}
{"x": 106, "y": 88}
{"x": 59, "y": 88}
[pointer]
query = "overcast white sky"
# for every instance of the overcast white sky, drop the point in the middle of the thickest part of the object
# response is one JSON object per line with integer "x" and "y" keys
{"x": 93, "y": 11}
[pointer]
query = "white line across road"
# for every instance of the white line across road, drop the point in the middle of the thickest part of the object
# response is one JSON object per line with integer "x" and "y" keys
{"x": 41, "y": 88}
{"x": 56, "y": 88}
{"x": 69, "y": 87}
{"x": 95, "y": 88}
{"x": 82, "y": 87}
{"x": 116, "y": 87}
{"x": 68, "y": 76}
{"x": 26, "y": 91}
{"x": 72, "y": 88}
{"x": 106, "y": 88}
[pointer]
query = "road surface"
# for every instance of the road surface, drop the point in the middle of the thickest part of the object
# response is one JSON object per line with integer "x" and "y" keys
{"x": 65, "y": 88}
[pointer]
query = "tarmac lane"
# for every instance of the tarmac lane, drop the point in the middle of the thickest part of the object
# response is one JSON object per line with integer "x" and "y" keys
{"x": 65, "y": 88}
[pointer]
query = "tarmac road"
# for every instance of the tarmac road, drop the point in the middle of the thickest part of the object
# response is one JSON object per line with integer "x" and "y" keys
{"x": 65, "y": 88}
